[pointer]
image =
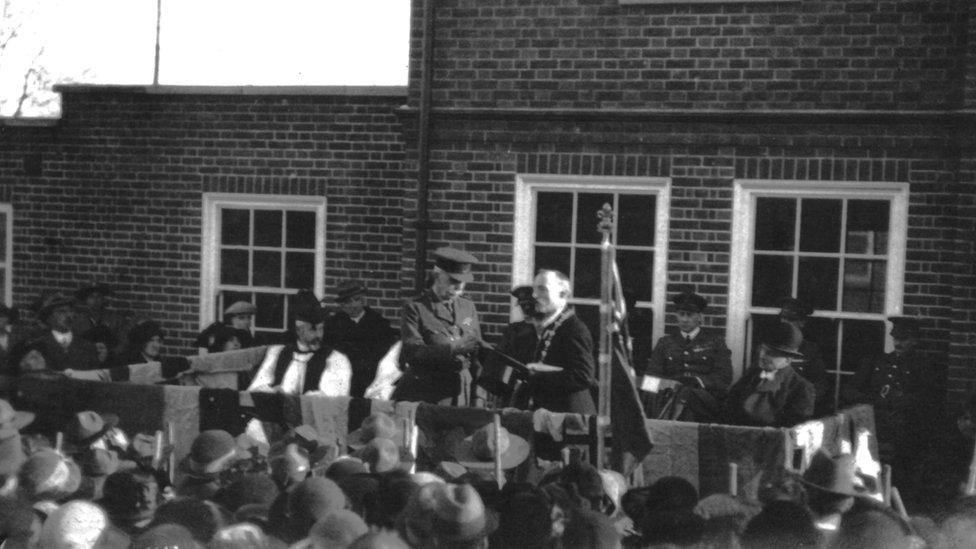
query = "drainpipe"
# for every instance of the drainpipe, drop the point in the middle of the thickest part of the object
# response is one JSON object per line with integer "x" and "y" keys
{"x": 423, "y": 147}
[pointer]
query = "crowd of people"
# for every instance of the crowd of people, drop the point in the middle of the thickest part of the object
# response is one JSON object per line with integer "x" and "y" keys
{"x": 300, "y": 492}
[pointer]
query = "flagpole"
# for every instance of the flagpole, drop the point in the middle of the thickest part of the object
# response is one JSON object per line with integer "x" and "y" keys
{"x": 606, "y": 325}
{"x": 159, "y": 16}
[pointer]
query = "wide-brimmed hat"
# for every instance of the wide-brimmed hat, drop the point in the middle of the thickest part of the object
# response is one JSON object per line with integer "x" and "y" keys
{"x": 446, "y": 512}
{"x": 47, "y": 474}
{"x": 689, "y": 302}
{"x": 477, "y": 451}
{"x": 82, "y": 293}
{"x": 375, "y": 425}
{"x": 12, "y": 421}
{"x": 75, "y": 524}
{"x": 834, "y": 475}
{"x": 213, "y": 451}
{"x": 240, "y": 308}
{"x": 50, "y": 303}
{"x": 87, "y": 426}
{"x": 349, "y": 289}
{"x": 456, "y": 263}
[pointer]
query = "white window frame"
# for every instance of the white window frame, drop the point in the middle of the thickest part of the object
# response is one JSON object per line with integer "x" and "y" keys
{"x": 745, "y": 192}
{"x": 526, "y": 190}
{"x": 210, "y": 253}
{"x": 7, "y": 266}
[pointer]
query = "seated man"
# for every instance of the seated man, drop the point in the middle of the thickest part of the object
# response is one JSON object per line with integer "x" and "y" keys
{"x": 699, "y": 361}
{"x": 61, "y": 347}
{"x": 772, "y": 393}
{"x": 305, "y": 365}
{"x": 810, "y": 365}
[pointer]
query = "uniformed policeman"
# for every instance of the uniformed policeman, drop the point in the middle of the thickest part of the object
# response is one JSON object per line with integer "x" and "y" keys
{"x": 699, "y": 361}
{"x": 441, "y": 337}
{"x": 809, "y": 363}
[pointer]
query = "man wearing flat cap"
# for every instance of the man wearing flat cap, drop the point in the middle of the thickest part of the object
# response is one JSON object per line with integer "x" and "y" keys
{"x": 809, "y": 363}
{"x": 441, "y": 337}
{"x": 699, "y": 361}
{"x": 903, "y": 389}
{"x": 772, "y": 393}
{"x": 61, "y": 347}
{"x": 306, "y": 364}
{"x": 360, "y": 333}
{"x": 238, "y": 318}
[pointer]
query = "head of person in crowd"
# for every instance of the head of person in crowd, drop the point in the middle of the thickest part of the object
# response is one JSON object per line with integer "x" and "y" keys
{"x": 104, "y": 340}
{"x": 777, "y": 350}
{"x": 289, "y": 466}
{"x": 525, "y": 518}
{"x": 689, "y": 306}
{"x": 202, "y": 518}
{"x": 904, "y": 333}
{"x": 146, "y": 341}
{"x": 525, "y": 301}
{"x": 48, "y": 475}
{"x": 551, "y": 290}
{"x": 248, "y": 489}
{"x": 226, "y": 338}
{"x": 338, "y": 529}
{"x": 452, "y": 271}
{"x": 672, "y": 528}
{"x": 588, "y": 528}
{"x": 94, "y": 297}
{"x": 781, "y": 524}
{"x": 308, "y": 320}
{"x": 876, "y": 527}
{"x": 446, "y": 515}
{"x": 308, "y": 502}
{"x": 79, "y": 524}
{"x": 166, "y": 535}
{"x": 27, "y": 357}
{"x": 831, "y": 485}
{"x": 671, "y": 493}
{"x": 12, "y": 454}
{"x": 240, "y": 315}
{"x": 583, "y": 485}
{"x": 57, "y": 312}
{"x": 8, "y": 317}
{"x": 131, "y": 498}
{"x": 351, "y": 298}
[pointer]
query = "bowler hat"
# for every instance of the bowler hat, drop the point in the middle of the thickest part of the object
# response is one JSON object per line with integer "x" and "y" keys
{"x": 456, "y": 511}
{"x": 779, "y": 340}
{"x": 690, "y": 302}
{"x": 523, "y": 293}
{"x": 834, "y": 475}
{"x": 51, "y": 303}
{"x": 87, "y": 426}
{"x": 456, "y": 263}
{"x": 12, "y": 421}
{"x": 306, "y": 307}
{"x": 348, "y": 290}
{"x": 212, "y": 452}
{"x": 794, "y": 309}
{"x": 82, "y": 293}
{"x": 240, "y": 308}
{"x": 903, "y": 327}
{"x": 478, "y": 450}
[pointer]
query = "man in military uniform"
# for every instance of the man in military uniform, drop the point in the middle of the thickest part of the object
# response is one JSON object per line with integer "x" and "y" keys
{"x": 901, "y": 389}
{"x": 441, "y": 337}
{"x": 360, "y": 332}
{"x": 809, "y": 363}
{"x": 698, "y": 361}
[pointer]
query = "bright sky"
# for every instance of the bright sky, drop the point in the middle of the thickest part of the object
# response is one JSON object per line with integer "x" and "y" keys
{"x": 212, "y": 42}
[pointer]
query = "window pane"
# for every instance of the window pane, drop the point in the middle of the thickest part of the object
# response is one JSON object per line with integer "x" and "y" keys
{"x": 586, "y": 219}
{"x": 267, "y": 269}
{"x": 271, "y": 312}
{"x": 300, "y": 230}
{"x": 554, "y": 217}
{"x": 590, "y": 315}
{"x": 772, "y": 279}
{"x": 3, "y": 236}
{"x": 867, "y": 227}
{"x": 863, "y": 339}
{"x": 820, "y": 225}
{"x": 817, "y": 282}
{"x": 823, "y": 332}
{"x": 775, "y": 223}
{"x": 586, "y": 275}
{"x": 235, "y": 227}
{"x": 636, "y": 273}
{"x": 267, "y": 228}
{"x": 299, "y": 269}
{"x": 547, "y": 257}
{"x": 233, "y": 267}
{"x": 635, "y": 222}
{"x": 864, "y": 286}
{"x": 761, "y": 326}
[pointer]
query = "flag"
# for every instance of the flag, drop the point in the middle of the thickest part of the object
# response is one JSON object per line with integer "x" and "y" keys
{"x": 631, "y": 441}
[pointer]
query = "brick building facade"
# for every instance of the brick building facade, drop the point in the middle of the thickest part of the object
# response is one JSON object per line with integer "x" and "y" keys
{"x": 752, "y": 149}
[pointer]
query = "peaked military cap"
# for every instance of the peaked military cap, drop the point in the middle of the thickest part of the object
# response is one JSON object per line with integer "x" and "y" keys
{"x": 456, "y": 263}
{"x": 523, "y": 293}
{"x": 690, "y": 301}
{"x": 794, "y": 309}
{"x": 903, "y": 326}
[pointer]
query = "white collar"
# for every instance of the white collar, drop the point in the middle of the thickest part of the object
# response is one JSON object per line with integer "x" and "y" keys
{"x": 692, "y": 334}
{"x": 552, "y": 318}
{"x": 63, "y": 338}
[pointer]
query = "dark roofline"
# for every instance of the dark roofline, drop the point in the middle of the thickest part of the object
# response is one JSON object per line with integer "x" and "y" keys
{"x": 372, "y": 91}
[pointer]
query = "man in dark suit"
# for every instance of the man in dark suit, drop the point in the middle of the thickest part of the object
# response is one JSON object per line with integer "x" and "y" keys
{"x": 92, "y": 310}
{"x": 699, "y": 361}
{"x": 61, "y": 347}
{"x": 518, "y": 341}
{"x": 441, "y": 337}
{"x": 361, "y": 333}
{"x": 772, "y": 393}
{"x": 809, "y": 363}
{"x": 563, "y": 370}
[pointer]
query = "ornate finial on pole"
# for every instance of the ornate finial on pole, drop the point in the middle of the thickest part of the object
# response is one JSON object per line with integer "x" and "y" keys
{"x": 606, "y": 220}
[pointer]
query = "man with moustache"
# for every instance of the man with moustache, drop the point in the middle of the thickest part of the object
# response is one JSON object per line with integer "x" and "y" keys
{"x": 441, "y": 337}
{"x": 562, "y": 373}
{"x": 305, "y": 365}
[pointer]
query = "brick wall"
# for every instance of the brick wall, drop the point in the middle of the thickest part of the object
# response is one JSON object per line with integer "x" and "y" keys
{"x": 805, "y": 54}
{"x": 119, "y": 194}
